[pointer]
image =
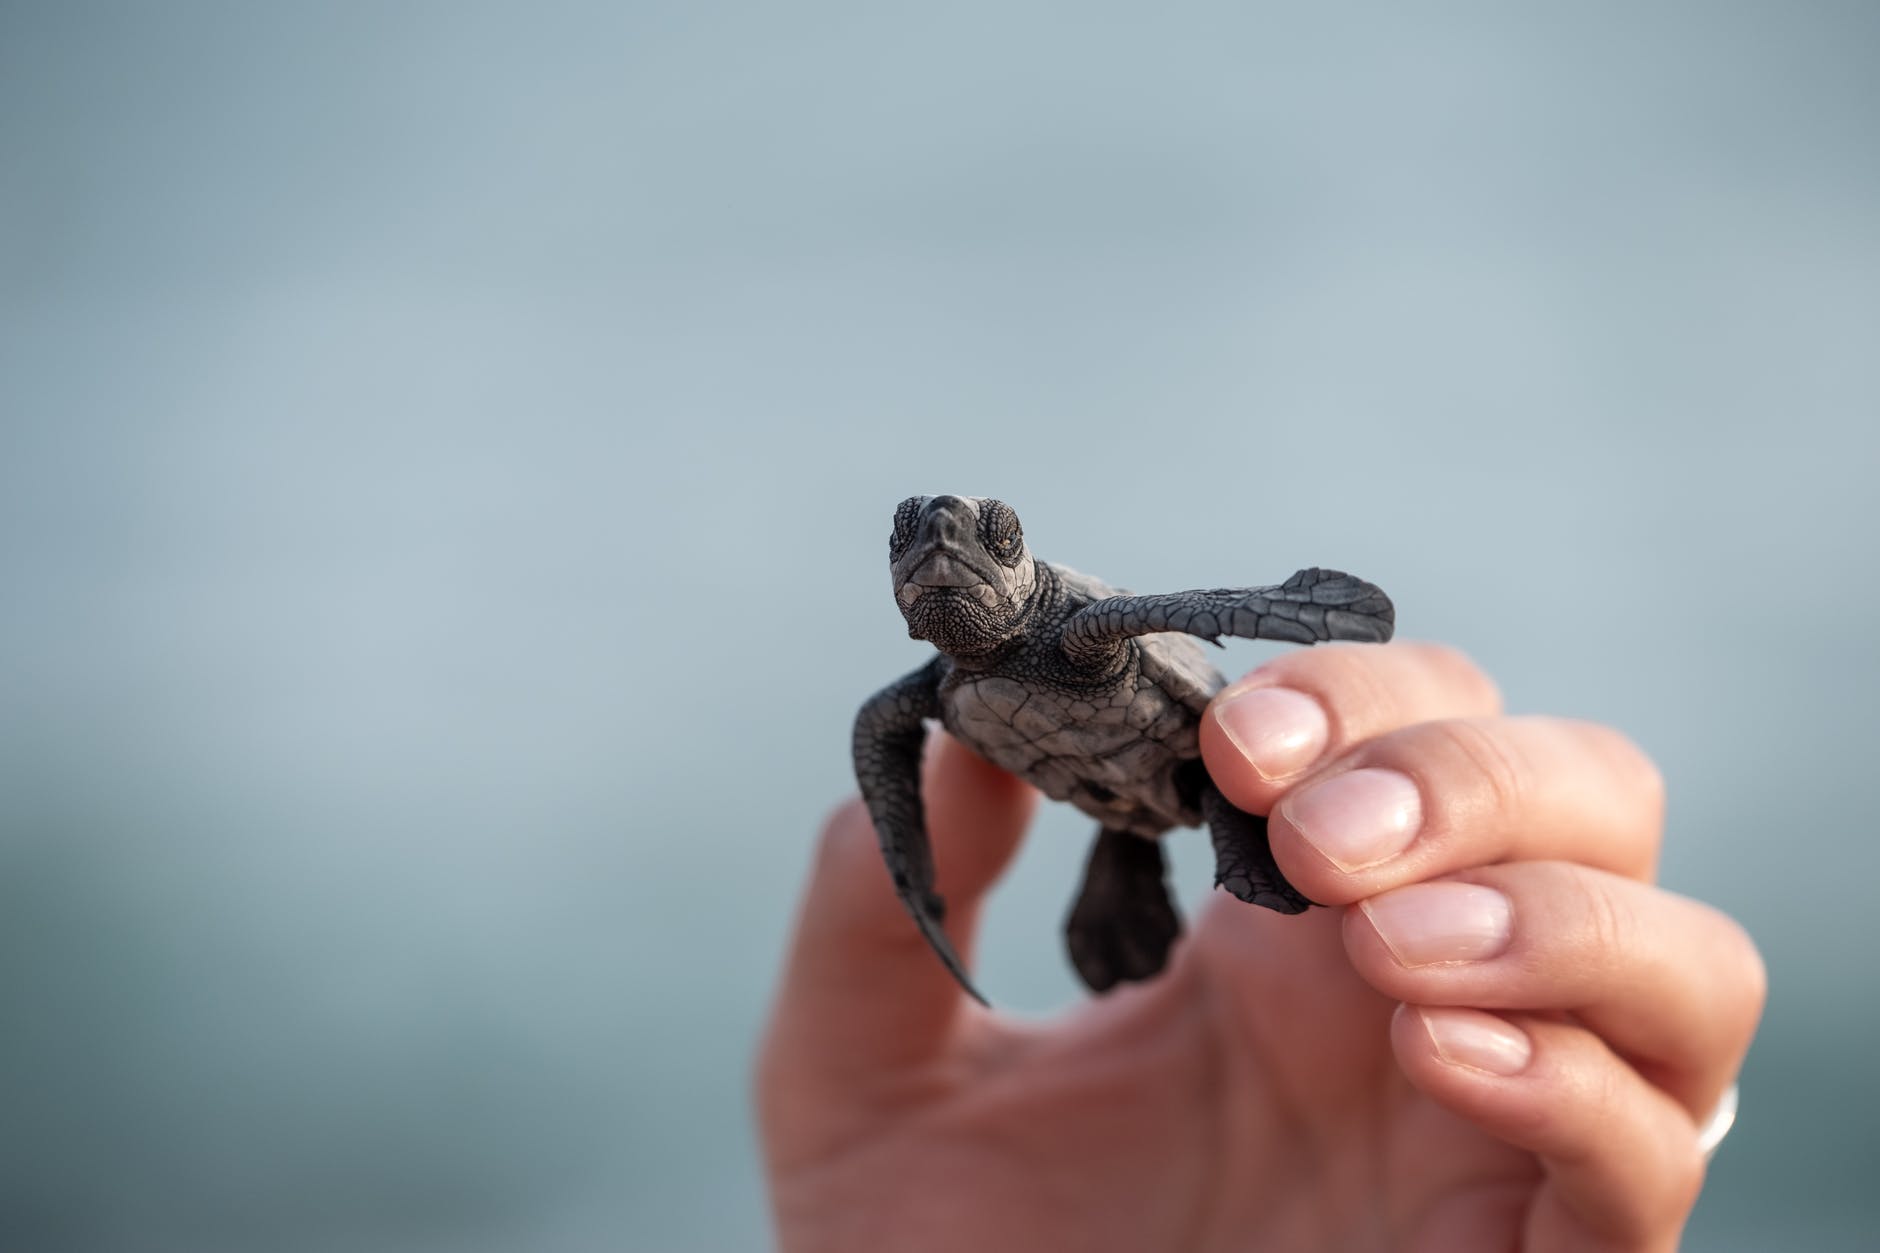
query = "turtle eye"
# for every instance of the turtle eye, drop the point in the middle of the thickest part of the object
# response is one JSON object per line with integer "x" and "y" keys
{"x": 906, "y": 520}
{"x": 1000, "y": 532}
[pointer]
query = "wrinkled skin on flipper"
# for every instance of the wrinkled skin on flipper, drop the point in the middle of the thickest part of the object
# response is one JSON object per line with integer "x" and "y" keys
{"x": 1312, "y": 607}
{"x": 1243, "y": 858}
{"x": 890, "y": 732}
{"x": 1084, "y": 692}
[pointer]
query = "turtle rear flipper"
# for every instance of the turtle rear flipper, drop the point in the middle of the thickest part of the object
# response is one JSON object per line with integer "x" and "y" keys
{"x": 1124, "y": 921}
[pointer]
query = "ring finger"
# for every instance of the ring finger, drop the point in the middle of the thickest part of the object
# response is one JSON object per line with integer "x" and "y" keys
{"x": 1623, "y": 1162}
{"x": 1673, "y": 986}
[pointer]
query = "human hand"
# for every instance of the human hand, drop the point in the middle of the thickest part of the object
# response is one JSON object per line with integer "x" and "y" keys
{"x": 1506, "y": 1038}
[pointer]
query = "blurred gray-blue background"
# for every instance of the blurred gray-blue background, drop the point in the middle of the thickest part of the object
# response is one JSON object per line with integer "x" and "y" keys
{"x": 446, "y": 460}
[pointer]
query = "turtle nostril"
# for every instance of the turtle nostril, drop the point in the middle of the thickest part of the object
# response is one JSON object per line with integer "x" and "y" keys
{"x": 948, "y": 519}
{"x": 938, "y": 525}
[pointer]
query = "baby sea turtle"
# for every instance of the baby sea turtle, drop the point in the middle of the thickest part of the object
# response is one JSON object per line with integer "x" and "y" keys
{"x": 1092, "y": 695}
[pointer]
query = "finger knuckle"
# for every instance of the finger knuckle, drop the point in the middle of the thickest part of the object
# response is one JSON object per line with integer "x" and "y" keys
{"x": 1651, "y": 781}
{"x": 1641, "y": 776}
{"x": 1345, "y": 678}
{"x": 1485, "y": 757}
{"x": 1455, "y": 670}
{"x": 1370, "y": 689}
{"x": 1749, "y": 979}
{"x": 1669, "y": 1174}
{"x": 1610, "y": 1093}
{"x": 1756, "y": 980}
{"x": 1608, "y": 928}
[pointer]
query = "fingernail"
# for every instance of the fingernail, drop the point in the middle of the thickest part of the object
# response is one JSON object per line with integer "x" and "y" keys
{"x": 1428, "y": 923}
{"x": 1468, "y": 1037}
{"x": 1359, "y": 818}
{"x": 1279, "y": 731}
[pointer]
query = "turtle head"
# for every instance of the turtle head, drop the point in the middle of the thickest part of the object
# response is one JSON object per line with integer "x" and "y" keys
{"x": 962, "y": 574}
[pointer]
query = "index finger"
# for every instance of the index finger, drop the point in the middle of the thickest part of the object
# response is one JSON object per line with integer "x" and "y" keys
{"x": 1269, "y": 730}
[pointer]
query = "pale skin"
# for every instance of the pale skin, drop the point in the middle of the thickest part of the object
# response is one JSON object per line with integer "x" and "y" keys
{"x": 1500, "y": 1035}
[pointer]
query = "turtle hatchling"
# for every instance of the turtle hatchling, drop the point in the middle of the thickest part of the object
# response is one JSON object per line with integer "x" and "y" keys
{"x": 1092, "y": 695}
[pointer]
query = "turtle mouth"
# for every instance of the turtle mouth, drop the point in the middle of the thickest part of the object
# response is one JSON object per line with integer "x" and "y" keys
{"x": 947, "y": 577}
{"x": 955, "y": 598}
{"x": 982, "y": 594}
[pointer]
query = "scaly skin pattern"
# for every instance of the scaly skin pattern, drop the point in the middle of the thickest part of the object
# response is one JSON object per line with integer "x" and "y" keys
{"x": 1108, "y": 742}
{"x": 1093, "y": 696}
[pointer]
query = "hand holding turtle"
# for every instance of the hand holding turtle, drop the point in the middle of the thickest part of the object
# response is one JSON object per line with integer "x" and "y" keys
{"x": 1508, "y": 1037}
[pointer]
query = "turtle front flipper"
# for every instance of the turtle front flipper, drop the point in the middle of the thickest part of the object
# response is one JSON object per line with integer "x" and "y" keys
{"x": 1243, "y": 858}
{"x": 1312, "y": 607}
{"x": 1124, "y": 922}
{"x": 889, "y": 732}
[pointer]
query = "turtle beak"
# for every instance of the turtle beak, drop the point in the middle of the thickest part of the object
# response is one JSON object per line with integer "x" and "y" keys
{"x": 943, "y": 569}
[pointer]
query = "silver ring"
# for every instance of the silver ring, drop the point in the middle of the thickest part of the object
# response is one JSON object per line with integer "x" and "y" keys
{"x": 1718, "y": 1125}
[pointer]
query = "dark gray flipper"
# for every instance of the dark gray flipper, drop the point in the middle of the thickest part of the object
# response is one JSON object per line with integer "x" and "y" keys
{"x": 1243, "y": 860}
{"x": 1311, "y": 607}
{"x": 1124, "y": 921}
{"x": 889, "y": 733}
